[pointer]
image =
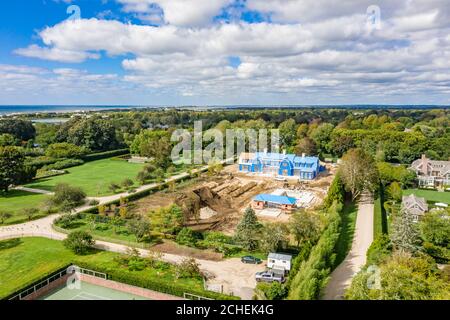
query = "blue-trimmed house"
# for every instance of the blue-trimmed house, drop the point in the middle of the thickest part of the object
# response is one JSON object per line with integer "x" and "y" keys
{"x": 281, "y": 164}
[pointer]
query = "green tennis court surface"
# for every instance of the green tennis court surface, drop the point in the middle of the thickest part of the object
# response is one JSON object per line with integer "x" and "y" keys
{"x": 89, "y": 291}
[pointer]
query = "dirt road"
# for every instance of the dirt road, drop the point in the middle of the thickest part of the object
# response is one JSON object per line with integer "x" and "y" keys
{"x": 342, "y": 276}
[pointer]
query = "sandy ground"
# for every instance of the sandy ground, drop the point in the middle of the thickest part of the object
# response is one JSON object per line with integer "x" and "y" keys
{"x": 342, "y": 276}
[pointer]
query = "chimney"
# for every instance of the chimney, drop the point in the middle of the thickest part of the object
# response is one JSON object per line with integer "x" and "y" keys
{"x": 424, "y": 165}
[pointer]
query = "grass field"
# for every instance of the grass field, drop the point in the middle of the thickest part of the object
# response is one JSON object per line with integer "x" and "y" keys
{"x": 430, "y": 195}
{"x": 24, "y": 261}
{"x": 15, "y": 201}
{"x": 93, "y": 177}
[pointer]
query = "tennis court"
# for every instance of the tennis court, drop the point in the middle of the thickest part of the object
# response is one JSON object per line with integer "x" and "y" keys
{"x": 89, "y": 291}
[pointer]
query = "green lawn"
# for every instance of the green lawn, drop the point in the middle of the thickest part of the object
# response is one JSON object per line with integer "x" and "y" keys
{"x": 15, "y": 201}
{"x": 93, "y": 177}
{"x": 24, "y": 261}
{"x": 105, "y": 231}
{"x": 430, "y": 195}
{"x": 344, "y": 243}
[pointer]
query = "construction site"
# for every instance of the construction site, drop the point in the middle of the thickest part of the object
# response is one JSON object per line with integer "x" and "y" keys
{"x": 217, "y": 203}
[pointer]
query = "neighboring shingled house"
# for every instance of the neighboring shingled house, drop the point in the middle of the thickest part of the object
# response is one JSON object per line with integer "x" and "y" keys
{"x": 415, "y": 206}
{"x": 431, "y": 173}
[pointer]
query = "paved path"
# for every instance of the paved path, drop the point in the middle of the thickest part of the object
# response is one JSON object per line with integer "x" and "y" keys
{"x": 342, "y": 276}
{"x": 32, "y": 190}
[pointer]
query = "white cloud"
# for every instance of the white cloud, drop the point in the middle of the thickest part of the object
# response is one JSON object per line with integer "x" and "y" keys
{"x": 326, "y": 52}
{"x": 55, "y": 54}
{"x": 180, "y": 12}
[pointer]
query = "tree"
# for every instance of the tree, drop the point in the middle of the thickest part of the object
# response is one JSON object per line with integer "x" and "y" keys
{"x": 273, "y": 237}
{"x": 79, "y": 242}
{"x": 113, "y": 187}
{"x": 306, "y": 146}
{"x": 305, "y": 227}
{"x": 401, "y": 277}
{"x": 140, "y": 228}
{"x": 187, "y": 237}
{"x": 341, "y": 144}
{"x": 302, "y": 131}
{"x": 322, "y": 136}
{"x": 67, "y": 197}
{"x": 405, "y": 234}
{"x": 7, "y": 139}
{"x": 64, "y": 150}
{"x": 335, "y": 193}
{"x": 358, "y": 172}
{"x": 20, "y": 129}
{"x": 395, "y": 191}
{"x": 435, "y": 228}
{"x": 247, "y": 231}
{"x": 214, "y": 168}
{"x": 93, "y": 133}
{"x": 30, "y": 213}
{"x": 188, "y": 268}
{"x": 11, "y": 167}
{"x": 4, "y": 216}
{"x": 127, "y": 183}
{"x": 288, "y": 132}
{"x": 154, "y": 144}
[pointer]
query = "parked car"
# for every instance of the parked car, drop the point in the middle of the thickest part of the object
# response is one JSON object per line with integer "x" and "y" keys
{"x": 251, "y": 259}
{"x": 269, "y": 276}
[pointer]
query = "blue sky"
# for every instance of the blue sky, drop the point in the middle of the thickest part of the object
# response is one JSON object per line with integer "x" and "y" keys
{"x": 216, "y": 52}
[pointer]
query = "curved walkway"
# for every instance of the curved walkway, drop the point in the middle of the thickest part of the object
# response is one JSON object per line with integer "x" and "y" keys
{"x": 342, "y": 276}
{"x": 235, "y": 277}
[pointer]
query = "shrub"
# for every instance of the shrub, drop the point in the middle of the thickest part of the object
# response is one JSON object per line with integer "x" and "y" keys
{"x": 93, "y": 202}
{"x": 80, "y": 242}
{"x": 188, "y": 237}
{"x": 379, "y": 250}
{"x": 68, "y": 197}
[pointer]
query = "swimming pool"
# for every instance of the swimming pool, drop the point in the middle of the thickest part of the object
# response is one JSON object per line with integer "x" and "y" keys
{"x": 89, "y": 291}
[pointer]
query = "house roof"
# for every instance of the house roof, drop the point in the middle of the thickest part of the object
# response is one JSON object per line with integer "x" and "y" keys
{"x": 280, "y": 256}
{"x": 443, "y": 167}
{"x": 410, "y": 202}
{"x": 275, "y": 199}
{"x": 282, "y": 156}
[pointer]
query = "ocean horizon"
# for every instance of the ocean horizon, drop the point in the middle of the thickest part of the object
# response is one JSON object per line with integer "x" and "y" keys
{"x": 30, "y": 109}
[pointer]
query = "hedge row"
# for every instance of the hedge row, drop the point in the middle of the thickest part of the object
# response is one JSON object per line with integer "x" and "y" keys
{"x": 104, "y": 155}
{"x": 155, "y": 284}
{"x": 313, "y": 273}
{"x": 64, "y": 164}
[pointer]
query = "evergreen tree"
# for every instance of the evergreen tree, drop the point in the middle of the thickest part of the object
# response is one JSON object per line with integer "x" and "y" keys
{"x": 247, "y": 231}
{"x": 405, "y": 234}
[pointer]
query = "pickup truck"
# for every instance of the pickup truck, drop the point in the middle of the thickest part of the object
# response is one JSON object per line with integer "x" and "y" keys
{"x": 269, "y": 276}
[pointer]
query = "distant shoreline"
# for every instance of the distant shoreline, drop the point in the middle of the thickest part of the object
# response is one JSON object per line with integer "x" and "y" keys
{"x": 24, "y": 110}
